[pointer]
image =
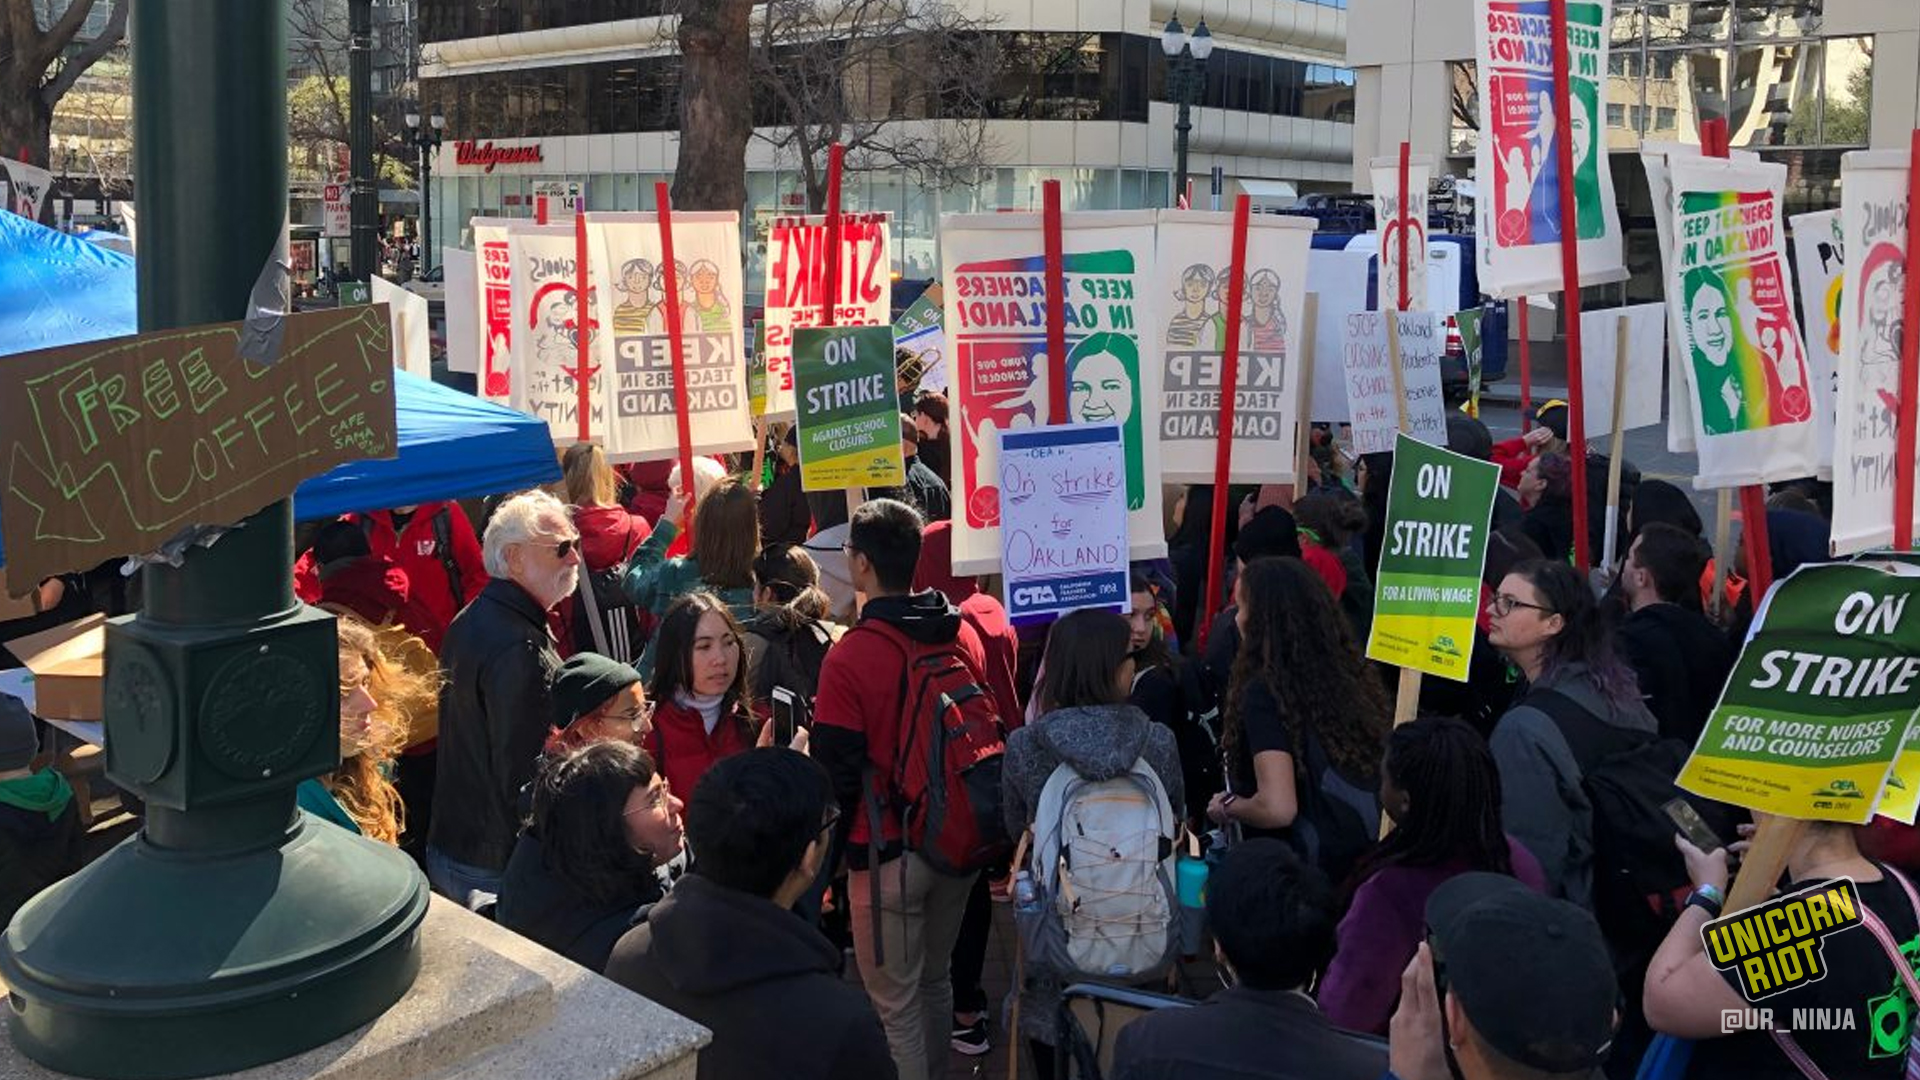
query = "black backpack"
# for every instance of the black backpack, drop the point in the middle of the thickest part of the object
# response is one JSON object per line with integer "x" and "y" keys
{"x": 1196, "y": 734}
{"x": 1639, "y": 879}
{"x": 792, "y": 659}
{"x": 1338, "y": 817}
{"x": 606, "y": 613}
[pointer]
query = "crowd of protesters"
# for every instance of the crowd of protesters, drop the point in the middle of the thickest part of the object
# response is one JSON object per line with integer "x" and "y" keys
{"x": 693, "y": 763}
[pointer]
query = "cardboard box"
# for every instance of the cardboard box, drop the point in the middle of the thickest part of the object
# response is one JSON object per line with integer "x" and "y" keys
{"x": 69, "y": 668}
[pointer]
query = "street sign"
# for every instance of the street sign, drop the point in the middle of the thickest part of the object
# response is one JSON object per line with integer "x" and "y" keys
{"x": 564, "y": 198}
{"x": 338, "y": 219}
{"x": 355, "y": 292}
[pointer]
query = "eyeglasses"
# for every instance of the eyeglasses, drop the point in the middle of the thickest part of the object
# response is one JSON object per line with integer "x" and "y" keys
{"x": 562, "y": 548}
{"x": 640, "y": 717}
{"x": 660, "y": 796}
{"x": 1503, "y": 604}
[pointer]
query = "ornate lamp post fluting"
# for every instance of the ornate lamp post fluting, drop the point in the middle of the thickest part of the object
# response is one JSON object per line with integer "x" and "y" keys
{"x": 426, "y": 141}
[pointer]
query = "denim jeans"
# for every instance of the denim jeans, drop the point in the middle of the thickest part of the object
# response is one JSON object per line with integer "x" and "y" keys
{"x": 468, "y": 886}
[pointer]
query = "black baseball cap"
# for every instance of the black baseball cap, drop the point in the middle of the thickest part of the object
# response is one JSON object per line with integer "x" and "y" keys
{"x": 1553, "y": 417}
{"x": 1533, "y": 974}
{"x": 1271, "y": 532}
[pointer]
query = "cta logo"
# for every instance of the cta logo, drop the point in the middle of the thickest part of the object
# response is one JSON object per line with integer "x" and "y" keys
{"x": 1034, "y": 594}
{"x": 1776, "y": 946}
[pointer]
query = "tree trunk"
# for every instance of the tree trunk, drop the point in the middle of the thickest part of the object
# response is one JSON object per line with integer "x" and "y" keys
{"x": 716, "y": 105}
{"x": 26, "y": 123}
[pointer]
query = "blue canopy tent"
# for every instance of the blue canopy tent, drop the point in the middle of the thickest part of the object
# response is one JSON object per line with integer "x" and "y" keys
{"x": 58, "y": 290}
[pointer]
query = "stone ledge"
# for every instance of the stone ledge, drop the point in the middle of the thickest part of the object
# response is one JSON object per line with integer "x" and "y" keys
{"x": 488, "y": 1002}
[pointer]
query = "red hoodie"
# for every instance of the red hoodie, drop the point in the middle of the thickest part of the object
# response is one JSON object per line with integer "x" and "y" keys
{"x": 376, "y": 590}
{"x": 416, "y": 551}
{"x": 680, "y": 744}
{"x": 981, "y": 611}
{"x": 608, "y": 534}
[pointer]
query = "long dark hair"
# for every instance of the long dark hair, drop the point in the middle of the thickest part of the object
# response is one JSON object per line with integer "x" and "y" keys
{"x": 673, "y": 655}
{"x": 790, "y": 574}
{"x": 579, "y": 808}
{"x": 1155, "y": 652}
{"x": 1453, "y": 796}
{"x": 1084, "y": 652}
{"x": 1583, "y": 638}
{"x": 1299, "y": 644}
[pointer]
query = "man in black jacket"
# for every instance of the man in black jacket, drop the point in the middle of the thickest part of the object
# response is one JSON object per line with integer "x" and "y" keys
{"x": 1273, "y": 919}
{"x": 499, "y": 661}
{"x": 1681, "y": 659}
{"x": 723, "y": 948}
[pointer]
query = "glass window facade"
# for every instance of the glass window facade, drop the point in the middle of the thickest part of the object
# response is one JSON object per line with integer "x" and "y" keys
{"x": 449, "y": 20}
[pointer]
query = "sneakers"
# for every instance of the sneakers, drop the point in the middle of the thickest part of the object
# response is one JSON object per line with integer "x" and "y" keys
{"x": 971, "y": 1039}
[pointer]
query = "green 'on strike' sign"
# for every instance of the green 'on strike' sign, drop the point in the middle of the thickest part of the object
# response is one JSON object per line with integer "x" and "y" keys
{"x": 1439, "y": 505}
{"x": 847, "y": 408}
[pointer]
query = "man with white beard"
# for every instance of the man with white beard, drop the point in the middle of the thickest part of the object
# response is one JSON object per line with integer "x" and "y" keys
{"x": 498, "y": 661}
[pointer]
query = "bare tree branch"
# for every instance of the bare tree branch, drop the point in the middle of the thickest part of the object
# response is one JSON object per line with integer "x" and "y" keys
{"x": 54, "y": 41}
{"x": 89, "y": 54}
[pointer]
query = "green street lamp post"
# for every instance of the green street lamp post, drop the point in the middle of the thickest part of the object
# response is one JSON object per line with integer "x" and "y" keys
{"x": 233, "y": 929}
{"x": 1187, "y": 82}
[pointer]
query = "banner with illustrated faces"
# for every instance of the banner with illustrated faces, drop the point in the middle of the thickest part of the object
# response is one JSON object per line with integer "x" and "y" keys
{"x": 797, "y": 288}
{"x": 1193, "y": 280}
{"x": 494, "y": 307}
{"x": 545, "y": 359}
{"x": 632, "y": 347}
{"x": 1398, "y": 231}
{"x": 995, "y": 300}
{"x": 1818, "y": 255}
{"x": 1518, "y": 219}
{"x": 1730, "y": 301}
{"x": 1873, "y": 216}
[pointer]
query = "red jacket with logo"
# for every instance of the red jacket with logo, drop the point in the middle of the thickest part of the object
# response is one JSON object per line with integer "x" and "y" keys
{"x": 416, "y": 550}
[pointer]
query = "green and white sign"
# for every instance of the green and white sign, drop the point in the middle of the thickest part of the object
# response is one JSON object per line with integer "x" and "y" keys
{"x": 757, "y": 371}
{"x": 1820, "y": 701}
{"x": 848, "y": 408}
{"x": 1438, "y": 510}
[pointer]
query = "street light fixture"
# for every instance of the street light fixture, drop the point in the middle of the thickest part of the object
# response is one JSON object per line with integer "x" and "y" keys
{"x": 1187, "y": 82}
{"x": 426, "y": 141}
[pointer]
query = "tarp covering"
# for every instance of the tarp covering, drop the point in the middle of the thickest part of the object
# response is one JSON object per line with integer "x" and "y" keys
{"x": 58, "y": 290}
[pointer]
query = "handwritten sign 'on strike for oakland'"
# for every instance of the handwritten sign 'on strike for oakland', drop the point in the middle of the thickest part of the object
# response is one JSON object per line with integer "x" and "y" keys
{"x": 114, "y": 446}
{"x": 1063, "y": 519}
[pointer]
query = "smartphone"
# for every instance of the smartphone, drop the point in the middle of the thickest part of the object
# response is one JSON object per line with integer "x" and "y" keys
{"x": 1691, "y": 826}
{"x": 786, "y": 716}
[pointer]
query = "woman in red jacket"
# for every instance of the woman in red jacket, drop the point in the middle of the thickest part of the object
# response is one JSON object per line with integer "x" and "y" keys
{"x": 699, "y": 690}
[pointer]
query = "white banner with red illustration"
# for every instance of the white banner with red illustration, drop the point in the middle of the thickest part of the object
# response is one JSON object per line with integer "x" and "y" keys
{"x": 1400, "y": 231}
{"x": 1873, "y": 219}
{"x": 547, "y": 321}
{"x": 1817, "y": 261}
{"x": 493, "y": 305}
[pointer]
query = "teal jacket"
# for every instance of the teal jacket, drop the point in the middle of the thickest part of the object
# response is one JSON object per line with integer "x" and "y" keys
{"x": 315, "y": 799}
{"x": 654, "y": 582}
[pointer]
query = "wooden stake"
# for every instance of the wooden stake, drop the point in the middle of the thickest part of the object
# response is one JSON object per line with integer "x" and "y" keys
{"x": 1722, "y": 540}
{"x": 1764, "y": 862}
{"x": 759, "y": 451}
{"x": 1303, "y": 431}
{"x": 1616, "y": 447}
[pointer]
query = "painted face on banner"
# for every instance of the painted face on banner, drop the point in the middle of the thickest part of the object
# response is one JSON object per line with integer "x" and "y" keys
{"x": 1710, "y": 326}
{"x": 1101, "y": 390}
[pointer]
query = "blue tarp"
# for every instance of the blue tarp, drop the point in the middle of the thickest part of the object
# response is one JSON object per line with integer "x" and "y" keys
{"x": 57, "y": 290}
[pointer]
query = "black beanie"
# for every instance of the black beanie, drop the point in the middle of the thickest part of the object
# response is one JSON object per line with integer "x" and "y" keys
{"x": 585, "y": 682}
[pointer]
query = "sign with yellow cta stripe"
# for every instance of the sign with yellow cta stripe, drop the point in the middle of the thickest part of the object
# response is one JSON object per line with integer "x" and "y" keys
{"x": 1439, "y": 505}
{"x": 1820, "y": 701}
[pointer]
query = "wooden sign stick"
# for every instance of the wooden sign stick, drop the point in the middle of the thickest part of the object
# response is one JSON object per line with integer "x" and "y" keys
{"x": 1615, "y": 447}
{"x": 1406, "y": 699}
{"x": 1722, "y": 538}
{"x": 1303, "y": 428}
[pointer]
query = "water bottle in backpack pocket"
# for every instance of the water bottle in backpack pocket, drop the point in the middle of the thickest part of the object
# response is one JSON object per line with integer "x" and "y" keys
{"x": 1102, "y": 867}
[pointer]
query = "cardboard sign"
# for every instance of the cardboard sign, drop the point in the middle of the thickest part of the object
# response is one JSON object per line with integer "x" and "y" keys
{"x": 920, "y": 331}
{"x": 1518, "y": 162}
{"x": 547, "y": 319}
{"x": 1192, "y": 245}
{"x": 848, "y": 409}
{"x": 1731, "y": 303}
{"x": 463, "y": 332}
{"x": 1646, "y": 342}
{"x": 1439, "y": 507}
{"x": 1818, "y": 255}
{"x": 1820, "y": 701}
{"x": 494, "y": 305}
{"x": 1063, "y": 528}
{"x": 999, "y": 370}
{"x": 625, "y": 253}
{"x": 1397, "y": 231}
{"x": 114, "y": 446}
{"x": 1371, "y": 391}
{"x": 1873, "y": 212}
{"x": 797, "y": 288}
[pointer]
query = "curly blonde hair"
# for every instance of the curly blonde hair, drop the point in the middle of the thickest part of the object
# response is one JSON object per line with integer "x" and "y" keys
{"x": 360, "y": 784}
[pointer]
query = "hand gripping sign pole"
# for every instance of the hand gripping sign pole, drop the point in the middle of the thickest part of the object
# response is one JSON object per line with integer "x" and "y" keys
{"x": 1229, "y": 386}
{"x": 1909, "y": 367}
{"x": 675, "y": 339}
{"x": 1570, "y": 277}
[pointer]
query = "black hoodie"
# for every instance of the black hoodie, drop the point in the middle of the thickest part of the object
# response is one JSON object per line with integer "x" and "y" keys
{"x": 763, "y": 980}
{"x": 541, "y": 905}
{"x": 1681, "y": 660}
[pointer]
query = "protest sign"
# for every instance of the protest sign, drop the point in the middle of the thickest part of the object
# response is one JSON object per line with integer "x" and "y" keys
{"x": 1373, "y": 395}
{"x": 412, "y": 347}
{"x": 1193, "y": 245}
{"x": 545, "y": 356}
{"x": 1339, "y": 282}
{"x": 920, "y": 331}
{"x": 460, "y": 271}
{"x": 1817, "y": 258}
{"x": 847, "y": 409}
{"x": 1475, "y": 351}
{"x": 1063, "y": 533}
{"x": 1439, "y": 506}
{"x": 1873, "y": 214}
{"x": 995, "y": 314}
{"x": 632, "y": 341}
{"x": 1820, "y": 701}
{"x": 757, "y": 371}
{"x": 1397, "y": 230}
{"x": 115, "y": 446}
{"x": 1519, "y": 219}
{"x": 1900, "y": 799}
{"x": 1730, "y": 303}
{"x": 1646, "y": 337}
{"x": 797, "y": 288}
{"x": 28, "y": 186}
{"x": 494, "y": 321}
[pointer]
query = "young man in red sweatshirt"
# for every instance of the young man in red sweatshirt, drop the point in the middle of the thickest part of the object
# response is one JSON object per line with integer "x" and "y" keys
{"x": 859, "y": 718}
{"x": 411, "y": 537}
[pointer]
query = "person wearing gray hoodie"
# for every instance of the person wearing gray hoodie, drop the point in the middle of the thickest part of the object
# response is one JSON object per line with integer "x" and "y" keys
{"x": 1544, "y": 619}
{"x": 1087, "y": 674}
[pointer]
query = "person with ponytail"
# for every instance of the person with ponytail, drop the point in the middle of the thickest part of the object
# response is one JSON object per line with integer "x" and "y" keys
{"x": 1442, "y": 790}
{"x": 789, "y": 632}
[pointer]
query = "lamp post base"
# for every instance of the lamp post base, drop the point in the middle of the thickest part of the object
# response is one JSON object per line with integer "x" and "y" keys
{"x": 155, "y": 963}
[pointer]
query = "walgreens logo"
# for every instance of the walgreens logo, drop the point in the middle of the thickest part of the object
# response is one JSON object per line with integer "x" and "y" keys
{"x": 487, "y": 155}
